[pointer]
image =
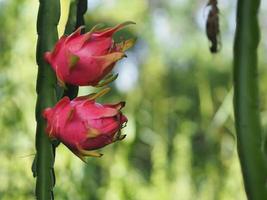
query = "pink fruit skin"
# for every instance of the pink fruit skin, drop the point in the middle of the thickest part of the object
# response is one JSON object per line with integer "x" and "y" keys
{"x": 84, "y": 125}
{"x": 85, "y": 59}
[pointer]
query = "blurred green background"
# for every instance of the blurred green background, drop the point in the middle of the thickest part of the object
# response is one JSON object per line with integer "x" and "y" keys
{"x": 180, "y": 141}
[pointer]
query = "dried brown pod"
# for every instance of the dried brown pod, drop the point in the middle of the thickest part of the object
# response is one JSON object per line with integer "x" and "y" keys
{"x": 213, "y": 27}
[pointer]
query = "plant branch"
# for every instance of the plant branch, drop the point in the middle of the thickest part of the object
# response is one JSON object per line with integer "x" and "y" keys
{"x": 246, "y": 100}
{"x": 75, "y": 19}
{"x": 48, "y": 17}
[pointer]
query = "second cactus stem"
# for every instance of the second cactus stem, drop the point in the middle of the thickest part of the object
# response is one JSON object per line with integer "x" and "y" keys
{"x": 246, "y": 100}
{"x": 75, "y": 20}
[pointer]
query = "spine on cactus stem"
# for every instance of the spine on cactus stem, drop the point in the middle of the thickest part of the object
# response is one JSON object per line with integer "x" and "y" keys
{"x": 246, "y": 100}
{"x": 48, "y": 17}
{"x": 75, "y": 20}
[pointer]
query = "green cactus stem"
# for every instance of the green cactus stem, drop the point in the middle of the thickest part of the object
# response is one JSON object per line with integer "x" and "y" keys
{"x": 72, "y": 17}
{"x": 48, "y": 17}
{"x": 75, "y": 19}
{"x": 81, "y": 10}
{"x": 246, "y": 100}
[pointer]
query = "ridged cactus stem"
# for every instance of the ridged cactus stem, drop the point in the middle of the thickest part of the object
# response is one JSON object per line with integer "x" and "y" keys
{"x": 75, "y": 19}
{"x": 48, "y": 17}
{"x": 246, "y": 100}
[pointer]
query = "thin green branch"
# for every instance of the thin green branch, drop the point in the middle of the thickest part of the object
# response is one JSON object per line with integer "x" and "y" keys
{"x": 246, "y": 100}
{"x": 75, "y": 19}
{"x": 48, "y": 17}
{"x": 72, "y": 17}
{"x": 81, "y": 10}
